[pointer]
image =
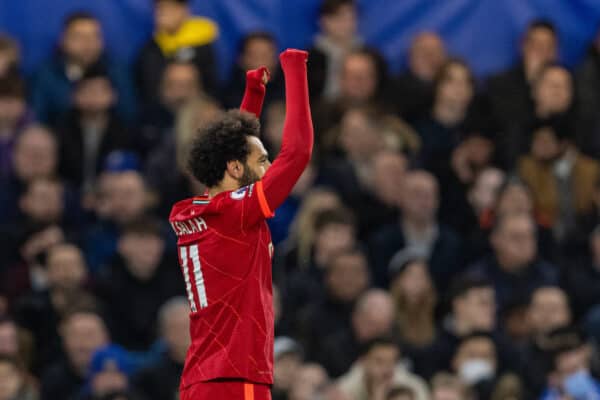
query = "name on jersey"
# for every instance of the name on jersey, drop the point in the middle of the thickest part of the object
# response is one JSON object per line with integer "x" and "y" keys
{"x": 190, "y": 226}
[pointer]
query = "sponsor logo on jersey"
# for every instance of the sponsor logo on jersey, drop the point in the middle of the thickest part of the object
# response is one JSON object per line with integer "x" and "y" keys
{"x": 240, "y": 193}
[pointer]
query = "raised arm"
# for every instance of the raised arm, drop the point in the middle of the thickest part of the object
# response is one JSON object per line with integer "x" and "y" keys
{"x": 254, "y": 94}
{"x": 297, "y": 141}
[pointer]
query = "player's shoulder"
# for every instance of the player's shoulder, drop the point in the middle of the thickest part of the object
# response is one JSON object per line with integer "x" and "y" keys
{"x": 189, "y": 207}
{"x": 218, "y": 204}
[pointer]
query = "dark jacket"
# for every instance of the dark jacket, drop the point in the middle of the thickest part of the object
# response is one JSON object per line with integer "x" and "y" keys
{"x": 339, "y": 351}
{"x": 132, "y": 304}
{"x": 581, "y": 280}
{"x": 71, "y": 139}
{"x": 323, "y": 318}
{"x": 52, "y": 90}
{"x": 515, "y": 286}
{"x": 159, "y": 381}
{"x": 444, "y": 261}
{"x": 512, "y": 107}
{"x": 416, "y": 96}
{"x": 587, "y": 79}
{"x": 60, "y": 381}
{"x": 36, "y": 313}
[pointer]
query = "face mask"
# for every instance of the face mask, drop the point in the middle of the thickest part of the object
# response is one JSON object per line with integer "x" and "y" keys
{"x": 476, "y": 370}
{"x": 581, "y": 386}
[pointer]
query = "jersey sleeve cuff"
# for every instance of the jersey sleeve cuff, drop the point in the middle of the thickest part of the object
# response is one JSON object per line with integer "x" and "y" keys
{"x": 262, "y": 201}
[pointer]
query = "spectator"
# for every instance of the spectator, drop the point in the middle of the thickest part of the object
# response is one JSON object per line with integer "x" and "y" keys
{"x": 472, "y": 309}
{"x": 44, "y": 220}
{"x": 476, "y": 362}
{"x": 173, "y": 151}
{"x": 123, "y": 197}
{"x": 382, "y": 194}
{"x": 10, "y": 55}
{"x": 373, "y": 316}
{"x": 445, "y": 386}
{"x": 570, "y": 363}
{"x": 280, "y": 224}
{"x": 81, "y": 47}
{"x": 473, "y": 154}
{"x": 83, "y": 332}
{"x": 16, "y": 342}
{"x": 179, "y": 86}
{"x": 350, "y": 153}
{"x": 35, "y": 155}
{"x": 310, "y": 381}
{"x": 338, "y": 36}
{"x": 90, "y": 130}
{"x": 178, "y": 36}
{"x": 14, "y": 383}
{"x": 160, "y": 381}
{"x": 510, "y": 91}
{"x": 587, "y": 81}
{"x": 514, "y": 266}
{"x": 561, "y": 178}
{"x": 481, "y": 198}
{"x": 110, "y": 370}
{"x": 346, "y": 277}
{"x": 440, "y": 131}
{"x": 400, "y": 393}
{"x": 288, "y": 360}
{"x": 13, "y": 119}
{"x": 548, "y": 310}
{"x": 378, "y": 371}
{"x": 415, "y": 298}
{"x": 417, "y": 227}
{"x": 513, "y": 197}
{"x": 257, "y": 49}
{"x": 582, "y": 278}
{"x": 9, "y": 337}
{"x": 40, "y": 311}
{"x": 426, "y": 55}
{"x": 482, "y": 195}
{"x": 553, "y": 101}
{"x": 334, "y": 232}
{"x": 362, "y": 82}
{"x": 137, "y": 282}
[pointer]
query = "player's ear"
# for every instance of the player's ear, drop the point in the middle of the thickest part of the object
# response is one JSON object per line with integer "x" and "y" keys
{"x": 235, "y": 169}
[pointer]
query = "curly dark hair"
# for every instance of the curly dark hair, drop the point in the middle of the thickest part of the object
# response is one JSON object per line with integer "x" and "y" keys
{"x": 220, "y": 142}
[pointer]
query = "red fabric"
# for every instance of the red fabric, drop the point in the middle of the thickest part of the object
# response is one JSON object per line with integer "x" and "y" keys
{"x": 254, "y": 94}
{"x": 225, "y": 254}
{"x": 230, "y": 390}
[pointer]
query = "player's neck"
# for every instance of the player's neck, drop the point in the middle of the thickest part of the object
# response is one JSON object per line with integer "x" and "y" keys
{"x": 224, "y": 186}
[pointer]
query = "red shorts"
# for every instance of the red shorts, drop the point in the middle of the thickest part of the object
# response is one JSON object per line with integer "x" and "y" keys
{"x": 226, "y": 390}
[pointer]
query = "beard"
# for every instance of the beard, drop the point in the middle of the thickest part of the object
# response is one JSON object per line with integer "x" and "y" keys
{"x": 249, "y": 177}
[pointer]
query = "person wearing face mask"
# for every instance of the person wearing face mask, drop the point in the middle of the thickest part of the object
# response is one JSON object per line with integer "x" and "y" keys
{"x": 476, "y": 363}
{"x": 570, "y": 362}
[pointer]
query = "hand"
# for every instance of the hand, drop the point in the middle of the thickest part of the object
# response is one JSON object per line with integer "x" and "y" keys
{"x": 293, "y": 56}
{"x": 261, "y": 75}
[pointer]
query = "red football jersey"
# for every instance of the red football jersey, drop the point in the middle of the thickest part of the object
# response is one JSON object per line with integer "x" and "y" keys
{"x": 225, "y": 254}
{"x": 225, "y": 249}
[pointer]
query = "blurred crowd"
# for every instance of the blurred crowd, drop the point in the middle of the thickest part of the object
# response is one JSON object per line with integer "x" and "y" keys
{"x": 443, "y": 244}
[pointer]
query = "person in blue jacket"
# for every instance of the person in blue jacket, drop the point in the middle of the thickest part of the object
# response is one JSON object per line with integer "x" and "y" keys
{"x": 81, "y": 47}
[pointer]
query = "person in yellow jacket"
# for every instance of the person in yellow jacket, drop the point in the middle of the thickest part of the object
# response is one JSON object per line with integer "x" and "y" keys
{"x": 180, "y": 37}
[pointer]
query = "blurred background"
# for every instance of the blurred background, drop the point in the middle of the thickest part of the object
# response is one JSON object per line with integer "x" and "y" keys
{"x": 443, "y": 244}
